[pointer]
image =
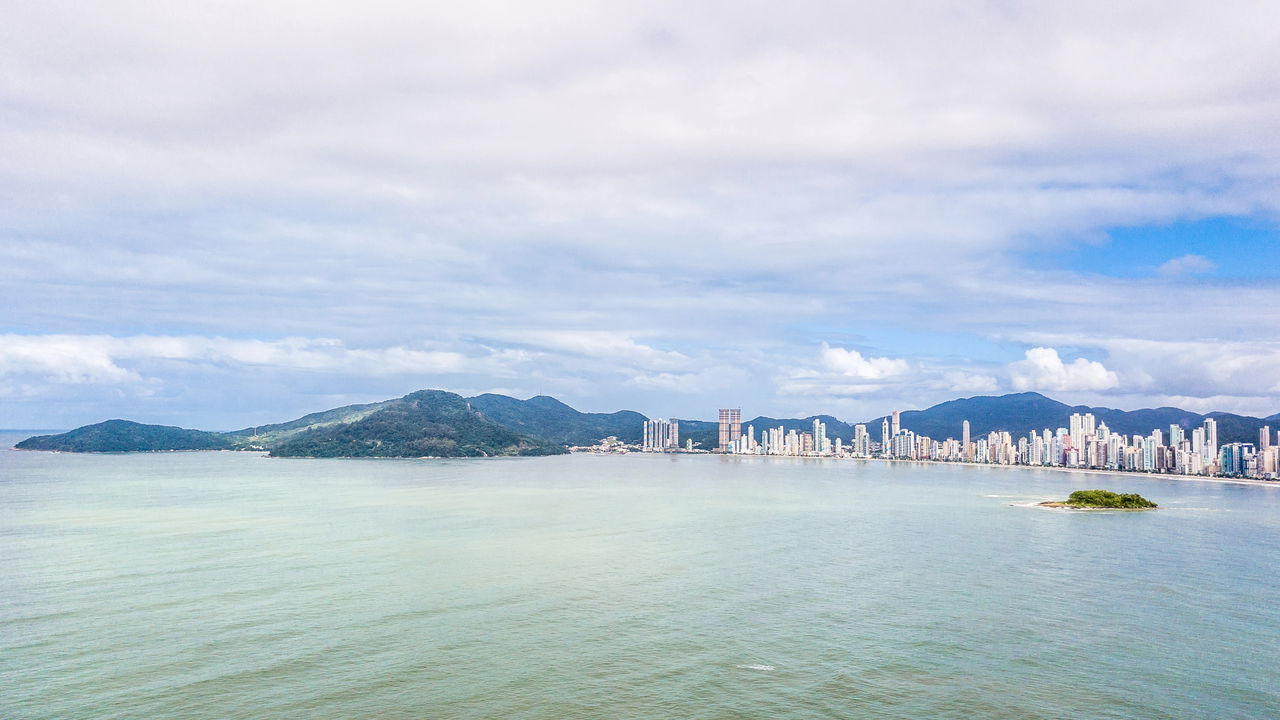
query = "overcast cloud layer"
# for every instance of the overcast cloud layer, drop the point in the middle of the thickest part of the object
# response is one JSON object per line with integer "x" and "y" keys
{"x": 229, "y": 214}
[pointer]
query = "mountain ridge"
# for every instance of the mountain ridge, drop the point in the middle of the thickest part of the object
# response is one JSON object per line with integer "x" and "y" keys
{"x": 542, "y": 423}
{"x": 1021, "y": 413}
{"x": 426, "y": 423}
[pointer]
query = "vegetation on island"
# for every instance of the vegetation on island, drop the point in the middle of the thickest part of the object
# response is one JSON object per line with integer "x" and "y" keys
{"x": 425, "y": 423}
{"x": 551, "y": 421}
{"x": 1103, "y": 499}
{"x": 428, "y": 423}
{"x": 128, "y": 436}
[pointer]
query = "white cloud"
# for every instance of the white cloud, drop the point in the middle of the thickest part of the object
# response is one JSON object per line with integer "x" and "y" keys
{"x": 604, "y": 344}
{"x": 967, "y": 382}
{"x": 62, "y": 359}
{"x": 848, "y": 380}
{"x": 824, "y": 388}
{"x": 702, "y": 381}
{"x": 104, "y": 359}
{"x": 1044, "y": 370}
{"x": 852, "y": 364}
{"x": 1187, "y": 265}
{"x": 1181, "y": 370}
{"x": 629, "y": 194}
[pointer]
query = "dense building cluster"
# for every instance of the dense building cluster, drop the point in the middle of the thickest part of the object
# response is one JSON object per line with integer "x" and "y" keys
{"x": 1085, "y": 443}
{"x": 660, "y": 436}
{"x": 780, "y": 441}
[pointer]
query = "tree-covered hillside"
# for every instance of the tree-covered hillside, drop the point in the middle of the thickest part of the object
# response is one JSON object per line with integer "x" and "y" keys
{"x": 551, "y": 421}
{"x": 1021, "y": 413}
{"x": 425, "y": 423}
{"x": 128, "y": 436}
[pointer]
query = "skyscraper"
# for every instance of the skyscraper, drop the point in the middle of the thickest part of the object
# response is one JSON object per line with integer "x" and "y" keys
{"x": 660, "y": 435}
{"x": 897, "y": 423}
{"x": 964, "y": 441}
{"x": 730, "y": 426}
{"x": 1210, "y": 440}
{"x": 1264, "y": 437}
{"x": 819, "y": 436}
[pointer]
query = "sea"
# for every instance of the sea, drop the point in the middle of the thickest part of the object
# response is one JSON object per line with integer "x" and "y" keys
{"x": 233, "y": 585}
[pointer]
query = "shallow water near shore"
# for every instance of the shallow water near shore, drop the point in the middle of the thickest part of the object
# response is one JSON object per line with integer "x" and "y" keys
{"x": 229, "y": 585}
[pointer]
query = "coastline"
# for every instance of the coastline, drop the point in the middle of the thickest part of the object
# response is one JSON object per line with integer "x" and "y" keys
{"x": 1055, "y": 468}
{"x": 1091, "y": 471}
{"x": 584, "y": 451}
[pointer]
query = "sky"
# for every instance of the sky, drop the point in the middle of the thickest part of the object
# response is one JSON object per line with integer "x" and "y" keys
{"x": 219, "y": 215}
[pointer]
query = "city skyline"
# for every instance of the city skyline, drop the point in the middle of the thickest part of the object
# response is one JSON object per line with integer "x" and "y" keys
{"x": 830, "y": 207}
{"x": 1084, "y": 442}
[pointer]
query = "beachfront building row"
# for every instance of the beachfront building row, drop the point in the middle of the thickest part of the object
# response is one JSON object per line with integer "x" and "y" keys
{"x": 780, "y": 441}
{"x": 1084, "y": 443}
{"x": 1087, "y": 443}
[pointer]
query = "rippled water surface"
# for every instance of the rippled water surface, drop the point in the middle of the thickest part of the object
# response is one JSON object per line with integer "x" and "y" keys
{"x": 226, "y": 585}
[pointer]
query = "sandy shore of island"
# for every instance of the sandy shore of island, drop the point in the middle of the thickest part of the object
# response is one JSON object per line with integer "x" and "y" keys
{"x": 1068, "y": 506}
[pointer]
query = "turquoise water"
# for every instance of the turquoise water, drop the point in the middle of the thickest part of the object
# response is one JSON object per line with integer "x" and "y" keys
{"x": 225, "y": 585}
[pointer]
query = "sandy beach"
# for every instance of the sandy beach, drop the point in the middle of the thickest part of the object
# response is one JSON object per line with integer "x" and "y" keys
{"x": 1091, "y": 471}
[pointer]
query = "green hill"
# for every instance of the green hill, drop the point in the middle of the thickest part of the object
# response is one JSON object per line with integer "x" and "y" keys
{"x": 429, "y": 422}
{"x": 551, "y": 421}
{"x": 425, "y": 423}
{"x": 266, "y": 436}
{"x": 1021, "y": 413}
{"x": 128, "y": 436}
{"x": 705, "y": 434}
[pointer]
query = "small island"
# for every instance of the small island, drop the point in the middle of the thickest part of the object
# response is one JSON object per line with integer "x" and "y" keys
{"x": 1102, "y": 499}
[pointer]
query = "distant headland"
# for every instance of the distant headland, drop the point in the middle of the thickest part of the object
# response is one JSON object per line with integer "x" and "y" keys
{"x": 427, "y": 423}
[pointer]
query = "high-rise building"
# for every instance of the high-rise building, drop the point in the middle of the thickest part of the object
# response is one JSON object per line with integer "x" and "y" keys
{"x": 660, "y": 435}
{"x": 884, "y": 437}
{"x": 1235, "y": 458}
{"x": 1082, "y": 426}
{"x": 897, "y": 423}
{"x": 1264, "y": 437}
{"x": 964, "y": 441}
{"x": 1210, "y": 439}
{"x": 820, "y": 445}
{"x": 730, "y": 426}
{"x": 861, "y": 442}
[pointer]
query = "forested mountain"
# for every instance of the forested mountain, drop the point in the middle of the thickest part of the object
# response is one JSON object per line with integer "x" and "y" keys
{"x": 1021, "y": 413}
{"x": 551, "y": 421}
{"x": 425, "y": 423}
{"x": 435, "y": 422}
{"x": 428, "y": 422}
{"x": 127, "y": 436}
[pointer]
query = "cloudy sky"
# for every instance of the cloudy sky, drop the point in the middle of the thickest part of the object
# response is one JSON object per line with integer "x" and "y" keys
{"x": 229, "y": 213}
